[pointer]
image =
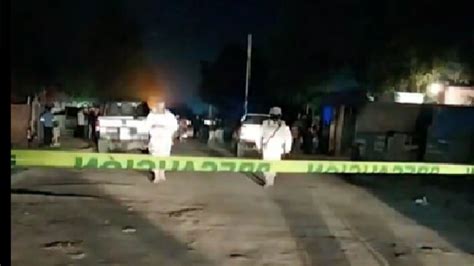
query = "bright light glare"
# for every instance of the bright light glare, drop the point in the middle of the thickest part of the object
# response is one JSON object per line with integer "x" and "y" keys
{"x": 435, "y": 88}
{"x": 409, "y": 97}
{"x": 250, "y": 132}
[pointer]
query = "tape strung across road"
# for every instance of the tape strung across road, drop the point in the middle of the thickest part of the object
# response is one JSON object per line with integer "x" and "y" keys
{"x": 78, "y": 160}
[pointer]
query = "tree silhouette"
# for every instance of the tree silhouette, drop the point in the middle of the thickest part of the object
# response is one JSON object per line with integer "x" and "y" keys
{"x": 383, "y": 42}
{"x": 90, "y": 53}
{"x": 223, "y": 81}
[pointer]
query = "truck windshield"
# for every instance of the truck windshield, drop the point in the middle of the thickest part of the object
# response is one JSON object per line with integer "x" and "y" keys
{"x": 254, "y": 119}
{"x": 127, "y": 109}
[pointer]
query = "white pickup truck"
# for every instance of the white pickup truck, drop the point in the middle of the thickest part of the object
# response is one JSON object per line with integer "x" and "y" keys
{"x": 122, "y": 127}
{"x": 249, "y": 132}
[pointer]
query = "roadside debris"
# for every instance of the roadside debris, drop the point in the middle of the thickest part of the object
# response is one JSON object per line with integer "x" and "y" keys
{"x": 68, "y": 247}
{"x": 432, "y": 249}
{"x": 62, "y": 244}
{"x": 399, "y": 251}
{"x": 77, "y": 255}
{"x": 422, "y": 201}
{"x": 426, "y": 247}
{"x": 128, "y": 229}
{"x": 236, "y": 255}
{"x": 180, "y": 212}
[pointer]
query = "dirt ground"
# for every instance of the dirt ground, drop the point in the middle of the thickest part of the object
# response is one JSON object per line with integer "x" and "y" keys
{"x": 70, "y": 217}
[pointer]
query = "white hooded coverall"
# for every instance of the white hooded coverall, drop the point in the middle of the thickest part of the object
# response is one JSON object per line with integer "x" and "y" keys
{"x": 161, "y": 127}
{"x": 276, "y": 140}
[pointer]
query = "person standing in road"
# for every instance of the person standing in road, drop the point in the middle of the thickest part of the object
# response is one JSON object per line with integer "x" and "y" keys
{"x": 296, "y": 131}
{"x": 276, "y": 140}
{"x": 315, "y": 130}
{"x": 196, "y": 124}
{"x": 56, "y": 133}
{"x": 308, "y": 140}
{"x": 47, "y": 120}
{"x": 80, "y": 123}
{"x": 92, "y": 124}
{"x": 86, "y": 122}
{"x": 89, "y": 122}
{"x": 161, "y": 125}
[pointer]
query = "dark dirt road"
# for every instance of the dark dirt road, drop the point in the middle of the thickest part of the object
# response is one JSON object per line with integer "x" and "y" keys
{"x": 69, "y": 217}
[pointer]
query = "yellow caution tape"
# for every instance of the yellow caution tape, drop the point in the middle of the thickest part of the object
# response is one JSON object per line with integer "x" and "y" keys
{"x": 78, "y": 160}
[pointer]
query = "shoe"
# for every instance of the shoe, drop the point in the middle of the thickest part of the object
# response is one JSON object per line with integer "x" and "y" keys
{"x": 159, "y": 180}
{"x": 267, "y": 185}
{"x": 151, "y": 176}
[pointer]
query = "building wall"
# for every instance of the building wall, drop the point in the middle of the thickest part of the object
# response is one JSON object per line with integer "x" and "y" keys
{"x": 451, "y": 136}
{"x": 380, "y": 117}
{"x": 459, "y": 96}
{"x": 387, "y": 132}
{"x": 383, "y": 128}
{"x": 20, "y": 115}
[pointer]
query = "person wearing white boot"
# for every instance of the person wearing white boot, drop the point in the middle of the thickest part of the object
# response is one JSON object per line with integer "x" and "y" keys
{"x": 162, "y": 125}
{"x": 276, "y": 140}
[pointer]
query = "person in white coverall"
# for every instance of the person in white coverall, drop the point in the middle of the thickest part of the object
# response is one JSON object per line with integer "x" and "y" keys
{"x": 275, "y": 141}
{"x": 162, "y": 125}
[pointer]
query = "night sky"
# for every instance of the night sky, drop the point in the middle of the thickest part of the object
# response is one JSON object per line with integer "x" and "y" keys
{"x": 178, "y": 34}
{"x": 301, "y": 44}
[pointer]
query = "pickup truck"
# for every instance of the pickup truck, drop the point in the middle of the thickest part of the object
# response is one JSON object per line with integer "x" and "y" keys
{"x": 122, "y": 127}
{"x": 248, "y": 133}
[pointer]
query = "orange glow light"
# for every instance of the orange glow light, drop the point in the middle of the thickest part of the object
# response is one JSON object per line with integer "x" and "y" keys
{"x": 146, "y": 83}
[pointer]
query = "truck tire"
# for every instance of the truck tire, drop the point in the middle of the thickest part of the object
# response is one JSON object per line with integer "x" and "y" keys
{"x": 103, "y": 146}
{"x": 240, "y": 151}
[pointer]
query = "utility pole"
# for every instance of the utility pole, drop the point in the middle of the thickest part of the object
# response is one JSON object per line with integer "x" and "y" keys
{"x": 247, "y": 77}
{"x": 209, "y": 113}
